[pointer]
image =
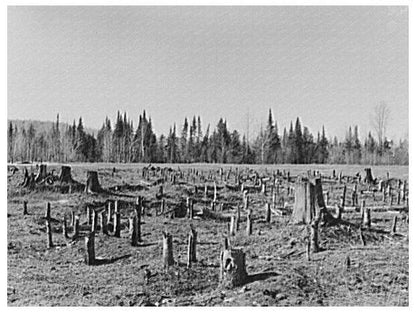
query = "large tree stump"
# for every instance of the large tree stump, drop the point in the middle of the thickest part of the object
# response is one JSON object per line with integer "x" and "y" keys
{"x": 232, "y": 268}
{"x": 93, "y": 185}
{"x": 192, "y": 241}
{"x": 368, "y": 176}
{"x": 42, "y": 173}
{"x": 167, "y": 250}
{"x": 65, "y": 176}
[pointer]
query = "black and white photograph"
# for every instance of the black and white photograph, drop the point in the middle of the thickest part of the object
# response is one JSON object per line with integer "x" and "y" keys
{"x": 207, "y": 155}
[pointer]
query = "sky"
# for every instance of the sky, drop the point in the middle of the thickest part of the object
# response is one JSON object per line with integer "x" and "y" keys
{"x": 326, "y": 65}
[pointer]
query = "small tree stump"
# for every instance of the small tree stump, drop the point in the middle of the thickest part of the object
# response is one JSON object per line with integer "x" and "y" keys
{"x": 93, "y": 185}
{"x": 268, "y": 213}
{"x": 232, "y": 225}
{"x": 75, "y": 229}
{"x": 117, "y": 224}
{"x": 232, "y": 268}
{"x": 315, "y": 235}
{"x": 42, "y": 173}
{"x": 249, "y": 228}
{"x": 192, "y": 236}
{"x": 48, "y": 225}
{"x": 25, "y": 208}
{"x": 167, "y": 250}
{"x": 138, "y": 212}
{"x": 90, "y": 248}
{"x": 308, "y": 249}
{"x": 133, "y": 230}
{"x": 65, "y": 229}
{"x": 103, "y": 222}
{"x": 367, "y": 218}
{"x": 393, "y": 227}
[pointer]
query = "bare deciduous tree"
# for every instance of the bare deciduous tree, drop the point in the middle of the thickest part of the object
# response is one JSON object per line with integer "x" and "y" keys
{"x": 380, "y": 120}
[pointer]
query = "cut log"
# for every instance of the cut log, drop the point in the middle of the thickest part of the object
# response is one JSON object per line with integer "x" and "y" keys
{"x": 93, "y": 185}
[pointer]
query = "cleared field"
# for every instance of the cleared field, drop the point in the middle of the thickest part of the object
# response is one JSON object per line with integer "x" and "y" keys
{"x": 279, "y": 273}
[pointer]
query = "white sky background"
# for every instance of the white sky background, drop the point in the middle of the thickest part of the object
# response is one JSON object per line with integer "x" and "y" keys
{"x": 327, "y": 65}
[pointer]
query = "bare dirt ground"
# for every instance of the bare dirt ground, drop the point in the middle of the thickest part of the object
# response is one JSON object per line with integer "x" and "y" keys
{"x": 279, "y": 273}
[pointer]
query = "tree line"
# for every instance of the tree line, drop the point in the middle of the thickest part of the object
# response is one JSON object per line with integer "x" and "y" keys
{"x": 123, "y": 143}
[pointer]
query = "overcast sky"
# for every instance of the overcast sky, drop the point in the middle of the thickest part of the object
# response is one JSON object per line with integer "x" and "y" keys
{"x": 327, "y": 65}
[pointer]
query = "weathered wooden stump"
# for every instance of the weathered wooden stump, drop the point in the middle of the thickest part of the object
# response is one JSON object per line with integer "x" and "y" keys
{"x": 25, "y": 208}
{"x": 103, "y": 222}
{"x": 315, "y": 235}
{"x": 42, "y": 173}
{"x": 90, "y": 248}
{"x": 232, "y": 268}
{"x": 75, "y": 229}
{"x": 393, "y": 226}
{"x": 232, "y": 227}
{"x": 65, "y": 176}
{"x": 133, "y": 230}
{"x": 367, "y": 218}
{"x": 192, "y": 241}
{"x": 167, "y": 250}
{"x": 249, "y": 228}
{"x": 48, "y": 225}
{"x": 268, "y": 213}
{"x": 117, "y": 224}
{"x": 92, "y": 185}
{"x": 308, "y": 201}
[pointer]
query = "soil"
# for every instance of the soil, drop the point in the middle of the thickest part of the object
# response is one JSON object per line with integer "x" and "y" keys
{"x": 343, "y": 273}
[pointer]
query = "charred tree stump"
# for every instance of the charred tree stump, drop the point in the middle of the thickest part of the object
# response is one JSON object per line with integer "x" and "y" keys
{"x": 65, "y": 229}
{"x": 167, "y": 250}
{"x": 192, "y": 241}
{"x": 249, "y": 228}
{"x": 268, "y": 213}
{"x": 48, "y": 224}
{"x": 25, "y": 208}
{"x": 117, "y": 224}
{"x": 232, "y": 268}
{"x": 315, "y": 235}
{"x": 138, "y": 212}
{"x": 103, "y": 222}
{"x": 133, "y": 230}
{"x": 65, "y": 176}
{"x": 93, "y": 185}
{"x": 75, "y": 229}
{"x": 42, "y": 173}
{"x": 368, "y": 176}
{"x": 90, "y": 248}
{"x": 393, "y": 227}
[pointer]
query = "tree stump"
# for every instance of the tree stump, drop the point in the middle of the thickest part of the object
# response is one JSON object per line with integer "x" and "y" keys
{"x": 393, "y": 227}
{"x": 192, "y": 240}
{"x": 90, "y": 248}
{"x": 48, "y": 225}
{"x": 315, "y": 235}
{"x": 268, "y": 213}
{"x": 117, "y": 224}
{"x": 249, "y": 228}
{"x": 167, "y": 250}
{"x": 42, "y": 173}
{"x": 75, "y": 229}
{"x": 367, "y": 218}
{"x": 368, "y": 176}
{"x": 138, "y": 212}
{"x": 65, "y": 229}
{"x": 133, "y": 230}
{"x": 93, "y": 185}
{"x": 232, "y": 268}
{"x": 232, "y": 225}
{"x": 65, "y": 176}
{"x": 103, "y": 222}
{"x": 25, "y": 208}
